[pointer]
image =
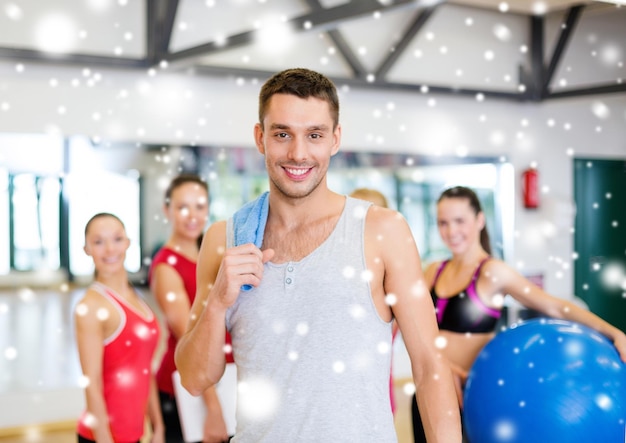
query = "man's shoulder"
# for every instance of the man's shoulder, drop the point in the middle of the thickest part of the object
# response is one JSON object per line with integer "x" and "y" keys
{"x": 379, "y": 215}
{"x": 387, "y": 224}
{"x": 215, "y": 234}
{"x": 217, "y": 230}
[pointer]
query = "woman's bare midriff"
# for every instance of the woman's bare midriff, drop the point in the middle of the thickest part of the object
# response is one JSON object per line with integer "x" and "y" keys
{"x": 461, "y": 349}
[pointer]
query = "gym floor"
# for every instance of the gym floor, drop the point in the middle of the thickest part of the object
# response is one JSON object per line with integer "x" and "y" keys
{"x": 39, "y": 369}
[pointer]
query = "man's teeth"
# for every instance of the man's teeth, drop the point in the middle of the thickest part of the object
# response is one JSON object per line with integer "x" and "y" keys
{"x": 297, "y": 171}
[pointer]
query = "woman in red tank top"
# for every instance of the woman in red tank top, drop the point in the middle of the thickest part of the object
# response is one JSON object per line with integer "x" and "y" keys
{"x": 172, "y": 278}
{"x": 116, "y": 334}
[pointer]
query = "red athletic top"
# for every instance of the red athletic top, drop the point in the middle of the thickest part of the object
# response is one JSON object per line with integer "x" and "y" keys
{"x": 126, "y": 370}
{"x": 187, "y": 271}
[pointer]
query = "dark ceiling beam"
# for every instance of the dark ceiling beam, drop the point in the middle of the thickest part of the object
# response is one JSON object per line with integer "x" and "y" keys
{"x": 592, "y": 90}
{"x": 168, "y": 25}
{"x": 535, "y": 80}
{"x": 362, "y": 83}
{"x": 160, "y": 18}
{"x": 567, "y": 31}
{"x": 398, "y": 49}
{"x": 321, "y": 20}
{"x": 48, "y": 58}
{"x": 357, "y": 68}
{"x": 152, "y": 32}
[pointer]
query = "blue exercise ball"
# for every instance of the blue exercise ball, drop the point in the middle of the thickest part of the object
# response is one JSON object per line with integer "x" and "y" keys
{"x": 546, "y": 381}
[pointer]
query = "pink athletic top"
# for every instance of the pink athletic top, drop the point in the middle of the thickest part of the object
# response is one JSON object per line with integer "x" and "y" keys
{"x": 464, "y": 312}
{"x": 126, "y": 369}
{"x": 187, "y": 271}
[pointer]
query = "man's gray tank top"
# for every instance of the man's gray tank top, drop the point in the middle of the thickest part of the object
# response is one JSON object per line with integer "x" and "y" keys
{"x": 313, "y": 356}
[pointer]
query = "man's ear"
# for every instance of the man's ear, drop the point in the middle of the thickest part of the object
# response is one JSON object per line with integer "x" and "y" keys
{"x": 337, "y": 139}
{"x": 258, "y": 138}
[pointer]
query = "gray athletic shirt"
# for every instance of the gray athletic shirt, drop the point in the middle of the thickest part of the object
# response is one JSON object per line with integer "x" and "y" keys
{"x": 313, "y": 356}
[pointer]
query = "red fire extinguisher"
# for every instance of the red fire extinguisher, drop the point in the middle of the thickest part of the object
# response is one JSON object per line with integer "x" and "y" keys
{"x": 530, "y": 188}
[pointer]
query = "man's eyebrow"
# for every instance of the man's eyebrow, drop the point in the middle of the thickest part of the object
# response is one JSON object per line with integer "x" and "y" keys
{"x": 321, "y": 127}
{"x": 279, "y": 126}
{"x": 315, "y": 127}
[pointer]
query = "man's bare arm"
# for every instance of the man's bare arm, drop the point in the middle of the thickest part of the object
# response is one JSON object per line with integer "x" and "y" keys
{"x": 199, "y": 354}
{"x": 415, "y": 315}
{"x": 221, "y": 273}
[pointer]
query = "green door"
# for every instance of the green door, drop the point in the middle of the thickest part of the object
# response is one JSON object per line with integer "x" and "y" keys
{"x": 600, "y": 237}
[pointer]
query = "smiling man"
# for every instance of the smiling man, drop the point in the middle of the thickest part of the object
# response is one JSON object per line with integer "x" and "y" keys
{"x": 310, "y": 295}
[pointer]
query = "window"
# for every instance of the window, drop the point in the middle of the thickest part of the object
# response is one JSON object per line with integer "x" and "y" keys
{"x": 35, "y": 221}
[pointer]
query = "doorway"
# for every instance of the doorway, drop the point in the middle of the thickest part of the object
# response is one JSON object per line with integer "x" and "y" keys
{"x": 600, "y": 237}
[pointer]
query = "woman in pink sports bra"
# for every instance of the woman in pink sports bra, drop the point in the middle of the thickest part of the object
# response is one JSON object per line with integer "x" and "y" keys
{"x": 469, "y": 289}
{"x": 117, "y": 335}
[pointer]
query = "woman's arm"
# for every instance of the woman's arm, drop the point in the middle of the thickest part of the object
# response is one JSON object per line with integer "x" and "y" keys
{"x": 90, "y": 340}
{"x": 169, "y": 290}
{"x": 508, "y": 281}
{"x": 154, "y": 414}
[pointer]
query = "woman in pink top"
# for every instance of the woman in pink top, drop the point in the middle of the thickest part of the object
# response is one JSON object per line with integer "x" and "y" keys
{"x": 172, "y": 279}
{"x": 473, "y": 284}
{"x": 117, "y": 335}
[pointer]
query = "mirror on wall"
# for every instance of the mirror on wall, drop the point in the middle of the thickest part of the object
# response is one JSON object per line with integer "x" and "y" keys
{"x": 49, "y": 203}
{"x": 5, "y": 266}
{"x": 413, "y": 185}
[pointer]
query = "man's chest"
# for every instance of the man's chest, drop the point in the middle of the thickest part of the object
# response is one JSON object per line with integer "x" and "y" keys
{"x": 296, "y": 243}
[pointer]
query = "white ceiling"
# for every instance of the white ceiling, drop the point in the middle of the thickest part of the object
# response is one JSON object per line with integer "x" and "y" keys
{"x": 517, "y": 49}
